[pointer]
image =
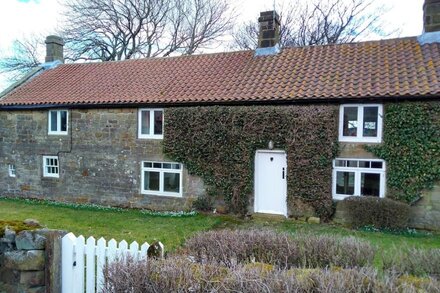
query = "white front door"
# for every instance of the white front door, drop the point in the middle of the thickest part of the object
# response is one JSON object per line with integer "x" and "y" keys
{"x": 270, "y": 182}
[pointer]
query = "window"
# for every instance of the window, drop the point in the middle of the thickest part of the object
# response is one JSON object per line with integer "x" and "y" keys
{"x": 150, "y": 123}
{"x": 360, "y": 123}
{"x": 58, "y": 121}
{"x": 358, "y": 177}
{"x": 161, "y": 178}
{"x": 51, "y": 167}
{"x": 11, "y": 170}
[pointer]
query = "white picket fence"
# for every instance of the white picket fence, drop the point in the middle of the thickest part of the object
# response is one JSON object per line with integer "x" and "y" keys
{"x": 83, "y": 262}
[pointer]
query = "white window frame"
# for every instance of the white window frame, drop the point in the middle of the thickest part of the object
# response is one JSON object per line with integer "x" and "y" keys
{"x": 360, "y": 129}
{"x": 151, "y": 135}
{"x": 58, "y": 131}
{"x": 12, "y": 171}
{"x": 357, "y": 176}
{"x": 45, "y": 166}
{"x": 161, "y": 171}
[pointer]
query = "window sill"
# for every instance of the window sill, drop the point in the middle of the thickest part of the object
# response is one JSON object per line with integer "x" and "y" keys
{"x": 162, "y": 194}
{"x": 58, "y": 133}
{"x": 360, "y": 140}
{"x": 50, "y": 177}
{"x": 156, "y": 137}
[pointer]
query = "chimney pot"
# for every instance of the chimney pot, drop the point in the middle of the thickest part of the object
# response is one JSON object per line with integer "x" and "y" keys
{"x": 54, "y": 49}
{"x": 431, "y": 16}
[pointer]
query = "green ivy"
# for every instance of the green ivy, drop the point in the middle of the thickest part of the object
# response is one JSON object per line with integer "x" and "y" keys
{"x": 411, "y": 148}
{"x": 218, "y": 143}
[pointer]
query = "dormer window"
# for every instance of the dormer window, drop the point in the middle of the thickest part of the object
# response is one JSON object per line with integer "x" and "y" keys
{"x": 58, "y": 122}
{"x": 150, "y": 123}
{"x": 360, "y": 123}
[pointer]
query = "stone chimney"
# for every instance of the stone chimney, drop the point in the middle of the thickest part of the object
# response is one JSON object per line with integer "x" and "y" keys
{"x": 54, "y": 49}
{"x": 269, "y": 34}
{"x": 431, "y": 16}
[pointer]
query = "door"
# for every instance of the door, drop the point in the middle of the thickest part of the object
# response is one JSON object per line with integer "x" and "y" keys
{"x": 270, "y": 182}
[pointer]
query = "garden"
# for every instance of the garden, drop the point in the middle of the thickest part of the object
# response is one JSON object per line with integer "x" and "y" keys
{"x": 222, "y": 253}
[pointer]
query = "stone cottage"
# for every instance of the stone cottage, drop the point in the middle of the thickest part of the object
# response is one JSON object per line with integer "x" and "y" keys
{"x": 94, "y": 132}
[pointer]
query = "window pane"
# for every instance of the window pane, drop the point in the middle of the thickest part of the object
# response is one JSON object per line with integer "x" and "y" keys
{"x": 166, "y": 165}
{"x": 350, "y": 121}
{"x": 63, "y": 115}
{"x": 158, "y": 122}
{"x": 151, "y": 180}
{"x": 352, "y": 164}
{"x": 145, "y": 122}
{"x": 364, "y": 164}
{"x": 157, "y": 165}
{"x": 345, "y": 183}
{"x": 171, "y": 182}
{"x": 370, "y": 184}
{"x": 53, "y": 121}
{"x": 376, "y": 165}
{"x": 148, "y": 165}
{"x": 370, "y": 121}
{"x": 340, "y": 163}
{"x": 176, "y": 166}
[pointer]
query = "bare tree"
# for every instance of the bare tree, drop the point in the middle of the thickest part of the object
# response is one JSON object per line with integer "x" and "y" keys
{"x": 319, "y": 23}
{"x": 26, "y": 54}
{"x": 125, "y": 29}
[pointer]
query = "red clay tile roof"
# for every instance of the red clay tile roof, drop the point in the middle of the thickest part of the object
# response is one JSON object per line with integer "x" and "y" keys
{"x": 387, "y": 68}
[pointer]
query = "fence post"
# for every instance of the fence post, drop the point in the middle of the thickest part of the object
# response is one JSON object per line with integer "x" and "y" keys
{"x": 68, "y": 244}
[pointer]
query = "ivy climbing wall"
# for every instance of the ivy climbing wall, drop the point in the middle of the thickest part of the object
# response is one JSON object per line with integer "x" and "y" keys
{"x": 218, "y": 143}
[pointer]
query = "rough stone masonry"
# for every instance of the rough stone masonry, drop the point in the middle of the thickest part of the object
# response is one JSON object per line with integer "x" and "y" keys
{"x": 100, "y": 159}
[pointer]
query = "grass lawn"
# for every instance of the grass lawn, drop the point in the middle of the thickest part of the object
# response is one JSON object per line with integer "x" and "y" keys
{"x": 133, "y": 225}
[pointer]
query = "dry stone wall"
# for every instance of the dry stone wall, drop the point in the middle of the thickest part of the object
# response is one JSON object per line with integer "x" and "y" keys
{"x": 30, "y": 261}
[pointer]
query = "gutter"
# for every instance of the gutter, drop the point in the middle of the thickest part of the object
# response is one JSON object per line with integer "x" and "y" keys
{"x": 337, "y": 101}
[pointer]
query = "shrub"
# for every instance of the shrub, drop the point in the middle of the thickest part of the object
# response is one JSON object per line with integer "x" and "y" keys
{"x": 179, "y": 274}
{"x": 230, "y": 248}
{"x": 203, "y": 203}
{"x": 418, "y": 262}
{"x": 374, "y": 211}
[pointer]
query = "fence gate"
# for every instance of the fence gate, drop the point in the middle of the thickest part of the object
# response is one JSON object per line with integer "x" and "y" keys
{"x": 83, "y": 261}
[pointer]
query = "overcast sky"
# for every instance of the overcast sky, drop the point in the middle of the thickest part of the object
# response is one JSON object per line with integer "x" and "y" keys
{"x": 19, "y": 18}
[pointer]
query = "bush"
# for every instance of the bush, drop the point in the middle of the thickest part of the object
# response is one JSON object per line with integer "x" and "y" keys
{"x": 203, "y": 203}
{"x": 374, "y": 211}
{"x": 179, "y": 274}
{"x": 418, "y": 262}
{"x": 230, "y": 248}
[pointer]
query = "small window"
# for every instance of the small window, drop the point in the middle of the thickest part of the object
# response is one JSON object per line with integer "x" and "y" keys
{"x": 11, "y": 170}
{"x": 358, "y": 177}
{"x": 51, "y": 166}
{"x": 161, "y": 178}
{"x": 58, "y": 122}
{"x": 150, "y": 123}
{"x": 360, "y": 123}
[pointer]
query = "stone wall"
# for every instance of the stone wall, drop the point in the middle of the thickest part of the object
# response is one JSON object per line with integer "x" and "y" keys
{"x": 100, "y": 159}
{"x": 30, "y": 261}
{"x": 425, "y": 214}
